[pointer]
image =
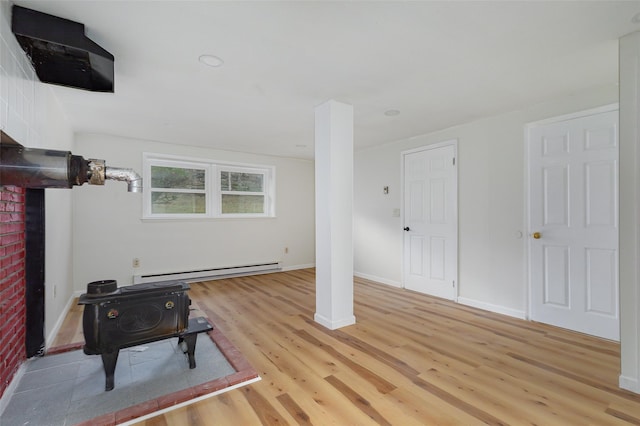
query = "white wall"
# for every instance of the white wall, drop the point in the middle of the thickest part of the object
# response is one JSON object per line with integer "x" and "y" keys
{"x": 30, "y": 114}
{"x": 491, "y": 204}
{"x": 58, "y": 218}
{"x": 109, "y": 231}
{"x": 630, "y": 212}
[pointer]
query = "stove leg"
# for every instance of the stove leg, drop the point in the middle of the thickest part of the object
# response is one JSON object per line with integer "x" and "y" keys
{"x": 190, "y": 340}
{"x": 109, "y": 360}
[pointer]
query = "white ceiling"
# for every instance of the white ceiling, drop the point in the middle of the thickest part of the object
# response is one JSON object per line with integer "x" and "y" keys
{"x": 438, "y": 63}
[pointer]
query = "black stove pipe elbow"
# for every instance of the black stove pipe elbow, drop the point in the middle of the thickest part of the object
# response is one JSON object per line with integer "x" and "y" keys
{"x": 45, "y": 168}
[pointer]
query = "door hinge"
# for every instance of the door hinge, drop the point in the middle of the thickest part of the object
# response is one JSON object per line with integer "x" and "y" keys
{"x": 454, "y": 161}
{"x": 453, "y": 283}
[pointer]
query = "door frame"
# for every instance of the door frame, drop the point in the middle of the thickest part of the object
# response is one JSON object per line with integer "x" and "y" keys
{"x": 437, "y": 145}
{"x": 527, "y": 141}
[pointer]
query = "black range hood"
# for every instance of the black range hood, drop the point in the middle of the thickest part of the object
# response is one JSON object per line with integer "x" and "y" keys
{"x": 61, "y": 53}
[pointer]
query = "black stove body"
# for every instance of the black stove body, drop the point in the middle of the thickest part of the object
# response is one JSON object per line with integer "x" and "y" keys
{"x": 116, "y": 318}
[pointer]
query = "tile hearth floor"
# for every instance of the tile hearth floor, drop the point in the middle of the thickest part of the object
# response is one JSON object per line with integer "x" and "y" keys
{"x": 68, "y": 388}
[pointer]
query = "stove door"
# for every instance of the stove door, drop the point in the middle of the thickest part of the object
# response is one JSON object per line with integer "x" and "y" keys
{"x": 136, "y": 320}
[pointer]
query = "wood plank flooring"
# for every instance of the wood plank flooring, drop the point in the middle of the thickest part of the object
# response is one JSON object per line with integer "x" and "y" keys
{"x": 409, "y": 360}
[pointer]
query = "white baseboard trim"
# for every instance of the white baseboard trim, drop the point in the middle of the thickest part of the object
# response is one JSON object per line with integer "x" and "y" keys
{"x": 212, "y": 273}
{"x": 9, "y": 391}
{"x": 378, "y": 279}
{"x": 51, "y": 336}
{"x": 334, "y": 324}
{"x": 492, "y": 308}
{"x": 629, "y": 383}
{"x": 294, "y": 267}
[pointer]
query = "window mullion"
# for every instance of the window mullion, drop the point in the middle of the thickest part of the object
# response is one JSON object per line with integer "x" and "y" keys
{"x": 214, "y": 190}
{"x": 182, "y": 191}
{"x": 242, "y": 193}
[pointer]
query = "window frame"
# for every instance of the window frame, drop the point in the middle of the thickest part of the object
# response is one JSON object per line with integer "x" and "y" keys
{"x": 213, "y": 192}
{"x": 219, "y": 192}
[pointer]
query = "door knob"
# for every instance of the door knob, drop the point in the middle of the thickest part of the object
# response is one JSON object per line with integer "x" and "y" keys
{"x": 536, "y": 235}
{"x": 406, "y": 228}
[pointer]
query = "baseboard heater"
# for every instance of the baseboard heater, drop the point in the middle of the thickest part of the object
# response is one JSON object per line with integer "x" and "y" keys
{"x": 212, "y": 273}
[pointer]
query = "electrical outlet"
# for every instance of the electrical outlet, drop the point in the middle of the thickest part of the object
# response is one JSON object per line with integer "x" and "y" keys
{"x": 136, "y": 262}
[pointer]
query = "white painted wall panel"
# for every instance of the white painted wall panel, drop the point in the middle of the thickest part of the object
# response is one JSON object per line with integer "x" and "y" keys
{"x": 492, "y": 268}
{"x": 417, "y": 201}
{"x": 553, "y": 146}
{"x": 603, "y": 137}
{"x": 555, "y": 201}
{"x": 437, "y": 198}
{"x": 556, "y": 275}
{"x": 602, "y": 292}
{"x": 630, "y": 212}
{"x": 417, "y": 254}
{"x": 109, "y": 231}
{"x": 31, "y": 115}
{"x": 600, "y": 184}
{"x": 437, "y": 266}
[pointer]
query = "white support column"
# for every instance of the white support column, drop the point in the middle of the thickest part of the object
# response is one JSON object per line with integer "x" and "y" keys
{"x": 334, "y": 214}
{"x": 630, "y": 212}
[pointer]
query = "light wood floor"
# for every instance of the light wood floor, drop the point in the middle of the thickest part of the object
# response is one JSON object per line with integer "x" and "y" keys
{"x": 409, "y": 360}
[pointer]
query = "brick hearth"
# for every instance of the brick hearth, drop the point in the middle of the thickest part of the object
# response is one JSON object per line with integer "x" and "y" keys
{"x": 12, "y": 283}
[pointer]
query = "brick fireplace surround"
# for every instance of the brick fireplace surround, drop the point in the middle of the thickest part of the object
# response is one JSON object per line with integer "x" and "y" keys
{"x": 12, "y": 283}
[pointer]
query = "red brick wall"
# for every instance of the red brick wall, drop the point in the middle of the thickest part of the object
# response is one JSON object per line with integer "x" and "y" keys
{"x": 12, "y": 283}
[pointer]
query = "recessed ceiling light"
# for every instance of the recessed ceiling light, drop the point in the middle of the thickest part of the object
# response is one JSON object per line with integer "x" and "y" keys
{"x": 391, "y": 112}
{"x": 211, "y": 60}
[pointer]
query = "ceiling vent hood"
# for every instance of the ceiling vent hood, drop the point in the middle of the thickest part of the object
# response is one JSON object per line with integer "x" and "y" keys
{"x": 61, "y": 53}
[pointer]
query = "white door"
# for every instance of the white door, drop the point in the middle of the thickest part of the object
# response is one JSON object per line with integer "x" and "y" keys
{"x": 430, "y": 263}
{"x": 573, "y": 178}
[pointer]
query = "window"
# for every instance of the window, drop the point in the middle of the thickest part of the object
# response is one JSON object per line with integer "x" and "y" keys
{"x": 182, "y": 188}
{"x": 178, "y": 189}
{"x": 242, "y": 191}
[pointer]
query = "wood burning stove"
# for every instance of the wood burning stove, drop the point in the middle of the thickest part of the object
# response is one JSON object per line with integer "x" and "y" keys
{"x": 116, "y": 318}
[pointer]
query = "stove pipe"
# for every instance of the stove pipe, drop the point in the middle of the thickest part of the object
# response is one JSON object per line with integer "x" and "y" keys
{"x": 45, "y": 168}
